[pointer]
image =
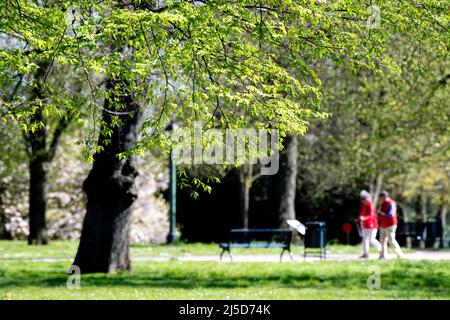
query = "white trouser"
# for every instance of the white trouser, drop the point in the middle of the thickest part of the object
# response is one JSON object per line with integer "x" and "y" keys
{"x": 388, "y": 235}
{"x": 369, "y": 238}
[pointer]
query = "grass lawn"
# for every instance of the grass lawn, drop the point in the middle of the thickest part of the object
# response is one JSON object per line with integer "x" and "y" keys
{"x": 20, "y": 279}
{"x": 67, "y": 249}
{"x": 214, "y": 280}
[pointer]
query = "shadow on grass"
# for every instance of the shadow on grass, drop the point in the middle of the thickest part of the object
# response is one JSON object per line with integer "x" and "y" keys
{"x": 399, "y": 277}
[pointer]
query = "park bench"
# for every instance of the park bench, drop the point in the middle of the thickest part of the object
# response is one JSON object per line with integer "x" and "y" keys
{"x": 258, "y": 238}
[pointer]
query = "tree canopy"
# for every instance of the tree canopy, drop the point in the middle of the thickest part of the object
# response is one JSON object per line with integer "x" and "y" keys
{"x": 215, "y": 61}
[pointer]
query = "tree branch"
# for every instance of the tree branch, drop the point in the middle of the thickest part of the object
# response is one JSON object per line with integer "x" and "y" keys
{"x": 62, "y": 125}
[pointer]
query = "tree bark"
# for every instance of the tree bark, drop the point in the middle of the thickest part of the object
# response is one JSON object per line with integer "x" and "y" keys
{"x": 443, "y": 220}
{"x": 4, "y": 234}
{"x": 38, "y": 202}
{"x": 424, "y": 214}
{"x": 376, "y": 188}
{"x": 285, "y": 182}
{"x": 424, "y": 208}
{"x": 36, "y": 143}
{"x": 39, "y": 158}
{"x": 104, "y": 244}
{"x": 245, "y": 181}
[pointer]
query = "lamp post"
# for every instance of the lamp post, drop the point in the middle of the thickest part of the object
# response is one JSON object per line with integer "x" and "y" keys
{"x": 172, "y": 236}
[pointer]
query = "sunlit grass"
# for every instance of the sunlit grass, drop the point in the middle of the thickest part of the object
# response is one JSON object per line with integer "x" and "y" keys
{"x": 213, "y": 280}
{"x": 21, "y": 279}
{"x": 67, "y": 249}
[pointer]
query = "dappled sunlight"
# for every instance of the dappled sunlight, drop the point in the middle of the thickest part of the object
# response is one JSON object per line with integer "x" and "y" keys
{"x": 188, "y": 279}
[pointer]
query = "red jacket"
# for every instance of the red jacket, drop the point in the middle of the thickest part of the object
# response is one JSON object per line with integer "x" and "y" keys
{"x": 389, "y": 213}
{"x": 368, "y": 215}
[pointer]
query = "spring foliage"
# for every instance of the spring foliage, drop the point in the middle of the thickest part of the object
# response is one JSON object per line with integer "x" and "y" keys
{"x": 221, "y": 62}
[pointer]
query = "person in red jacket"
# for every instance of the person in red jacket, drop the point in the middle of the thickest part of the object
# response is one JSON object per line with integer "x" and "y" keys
{"x": 369, "y": 224}
{"x": 388, "y": 218}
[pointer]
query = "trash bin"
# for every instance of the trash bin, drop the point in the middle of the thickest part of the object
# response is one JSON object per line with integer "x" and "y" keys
{"x": 315, "y": 238}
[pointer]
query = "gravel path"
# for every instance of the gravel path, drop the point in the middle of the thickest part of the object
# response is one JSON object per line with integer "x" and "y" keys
{"x": 418, "y": 255}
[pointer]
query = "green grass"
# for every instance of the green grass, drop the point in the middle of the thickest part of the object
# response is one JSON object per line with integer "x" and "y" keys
{"x": 67, "y": 249}
{"x": 172, "y": 279}
{"x": 213, "y": 280}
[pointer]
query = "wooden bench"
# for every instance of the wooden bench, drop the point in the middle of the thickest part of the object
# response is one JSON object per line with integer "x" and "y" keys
{"x": 258, "y": 238}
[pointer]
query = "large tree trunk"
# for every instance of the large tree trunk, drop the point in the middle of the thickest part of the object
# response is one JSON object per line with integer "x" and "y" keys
{"x": 285, "y": 182}
{"x": 38, "y": 156}
{"x": 245, "y": 181}
{"x": 38, "y": 202}
{"x": 104, "y": 245}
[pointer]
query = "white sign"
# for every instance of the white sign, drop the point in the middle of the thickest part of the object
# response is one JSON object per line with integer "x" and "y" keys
{"x": 297, "y": 225}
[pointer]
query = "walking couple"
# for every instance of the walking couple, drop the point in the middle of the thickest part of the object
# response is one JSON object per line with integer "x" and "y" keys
{"x": 368, "y": 220}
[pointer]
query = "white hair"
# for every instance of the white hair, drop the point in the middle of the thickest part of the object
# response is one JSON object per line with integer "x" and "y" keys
{"x": 365, "y": 195}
